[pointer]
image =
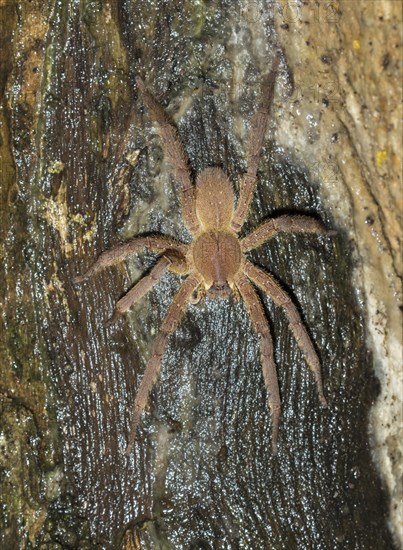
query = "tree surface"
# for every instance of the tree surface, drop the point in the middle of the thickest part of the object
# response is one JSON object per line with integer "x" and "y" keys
{"x": 82, "y": 169}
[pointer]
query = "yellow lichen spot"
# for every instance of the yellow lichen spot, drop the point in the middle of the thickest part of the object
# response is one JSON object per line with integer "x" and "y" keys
{"x": 55, "y": 167}
{"x": 56, "y": 214}
{"x": 380, "y": 157}
{"x": 90, "y": 233}
{"x": 356, "y": 44}
{"x": 56, "y": 285}
{"x": 132, "y": 157}
{"x": 78, "y": 219}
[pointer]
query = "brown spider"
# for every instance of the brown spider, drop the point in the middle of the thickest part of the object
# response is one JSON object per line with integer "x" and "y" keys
{"x": 214, "y": 262}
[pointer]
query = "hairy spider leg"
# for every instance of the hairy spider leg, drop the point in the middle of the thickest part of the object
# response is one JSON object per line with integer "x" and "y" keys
{"x": 175, "y": 151}
{"x": 261, "y": 327}
{"x": 284, "y": 224}
{"x": 169, "y": 260}
{"x": 169, "y": 325}
{"x": 266, "y": 282}
{"x": 156, "y": 243}
{"x": 256, "y": 138}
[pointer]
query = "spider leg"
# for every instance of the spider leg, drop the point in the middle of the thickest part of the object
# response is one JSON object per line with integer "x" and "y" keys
{"x": 256, "y": 138}
{"x": 141, "y": 288}
{"x": 155, "y": 243}
{"x": 264, "y": 281}
{"x": 176, "y": 154}
{"x": 285, "y": 224}
{"x": 261, "y": 327}
{"x": 169, "y": 325}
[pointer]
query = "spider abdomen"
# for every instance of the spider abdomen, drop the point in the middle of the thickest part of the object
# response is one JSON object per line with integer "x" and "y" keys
{"x": 214, "y": 199}
{"x": 217, "y": 257}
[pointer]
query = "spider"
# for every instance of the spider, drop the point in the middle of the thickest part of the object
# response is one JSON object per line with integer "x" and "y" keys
{"x": 214, "y": 263}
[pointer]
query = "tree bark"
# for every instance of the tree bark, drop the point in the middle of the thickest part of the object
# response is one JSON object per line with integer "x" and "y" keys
{"x": 81, "y": 170}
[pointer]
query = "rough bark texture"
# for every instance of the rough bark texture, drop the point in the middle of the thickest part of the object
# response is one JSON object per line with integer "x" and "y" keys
{"x": 82, "y": 168}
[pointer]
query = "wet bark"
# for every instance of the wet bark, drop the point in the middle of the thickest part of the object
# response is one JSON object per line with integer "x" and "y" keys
{"x": 82, "y": 169}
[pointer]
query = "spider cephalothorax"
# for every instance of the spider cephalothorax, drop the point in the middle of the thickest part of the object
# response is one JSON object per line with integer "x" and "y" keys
{"x": 214, "y": 262}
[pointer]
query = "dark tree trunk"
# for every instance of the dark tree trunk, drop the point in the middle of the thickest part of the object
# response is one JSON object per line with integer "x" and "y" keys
{"x": 81, "y": 169}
